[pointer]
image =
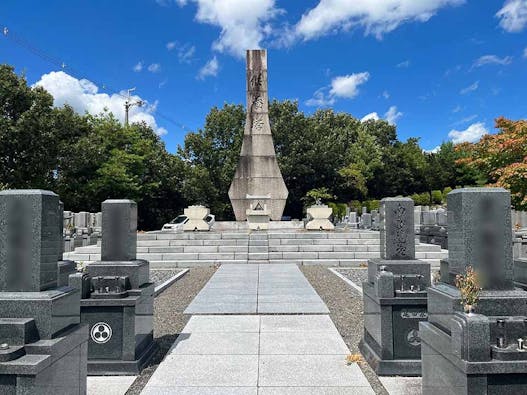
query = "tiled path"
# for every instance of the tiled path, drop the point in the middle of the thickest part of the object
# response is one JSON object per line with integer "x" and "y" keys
{"x": 258, "y": 289}
{"x": 258, "y": 354}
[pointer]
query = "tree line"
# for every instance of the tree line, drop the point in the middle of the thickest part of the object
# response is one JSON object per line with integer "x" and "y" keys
{"x": 87, "y": 159}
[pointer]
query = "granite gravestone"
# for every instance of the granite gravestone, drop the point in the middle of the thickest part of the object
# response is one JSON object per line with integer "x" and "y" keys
{"x": 65, "y": 268}
{"x": 481, "y": 352}
{"x": 395, "y": 295}
{"x": 365, "y": 221}
{"x": 118, "y": 297}
{"x": 45, "y": 346}
{"x": 433, "y": 229}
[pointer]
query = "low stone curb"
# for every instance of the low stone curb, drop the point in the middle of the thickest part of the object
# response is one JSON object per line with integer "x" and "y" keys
{"x": 161, "y": 287}
{"x": 344, "y": 278}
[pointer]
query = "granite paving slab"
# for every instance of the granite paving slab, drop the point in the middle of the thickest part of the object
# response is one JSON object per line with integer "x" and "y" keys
{"x": 257, "y": 289}
{"x": 201, "y": 391}
{"x": 281, "y": 354}
{"x": 109, "y": 385}
{"x": 402, "y": 385}
{"x": 216, "y": 343}
{"x": 206, "y": 371}
{"x": 311, "y": 371}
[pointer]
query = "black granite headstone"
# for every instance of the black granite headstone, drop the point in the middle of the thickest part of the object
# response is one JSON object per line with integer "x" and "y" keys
{"x": 119, "y": 230}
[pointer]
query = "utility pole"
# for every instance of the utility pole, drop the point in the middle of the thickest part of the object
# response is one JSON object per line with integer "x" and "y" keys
{"x": 128, "y": 103}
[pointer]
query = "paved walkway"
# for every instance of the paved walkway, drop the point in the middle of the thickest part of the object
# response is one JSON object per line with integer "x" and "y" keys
{"x": 223, "y": 353}
{"x": 302, "y": 354}
{"x": 258, "y": 289}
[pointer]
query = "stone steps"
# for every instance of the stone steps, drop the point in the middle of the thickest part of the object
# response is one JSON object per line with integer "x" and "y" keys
{"x": 244, "y": 256}
{"x": 303, "y": 248}
{"x": 321, "y": 248}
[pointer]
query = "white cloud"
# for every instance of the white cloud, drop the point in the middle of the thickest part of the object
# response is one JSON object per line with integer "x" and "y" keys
{"x": 434, "y": 150}
{"x": 371, "y": 116}
{"x": 167, "y": 3}
{"x": 84, "y": 96}
{"x": 186, "y": 53}
{"x": 386, "y": 95}
{"x": 138, "y": 67}
{"x": 513, "y": 15}
{"x": 465, "y": 120}
{"x": 492, "y": 59}
{"x": 347, "y": 86}
{"x": 470, "y": 88}
{"x": 320, "y": 99}
{"x": 344, "y": 86}
{"x": 392, "y": 115}
{"x": 471, "y": 134}
{"x": 154, "y": 68}
{"x": 404, "y": 65}
{"x": 457, "y": 109}
{"x": 209, "y": 70}
{"x": 376, "y": 17}
{"x": 244, "y": 24}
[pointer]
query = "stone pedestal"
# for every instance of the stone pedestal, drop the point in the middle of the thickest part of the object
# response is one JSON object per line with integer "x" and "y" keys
{"x": 118, "y": 297}
{"x": 395, "y": 297}
{"x": 257, "y": 172}
{"x": 197, "y": 216}
{"x": 476, "y": 353}
{"x": 46, "y": 346}
{"x": 319, "y": 216}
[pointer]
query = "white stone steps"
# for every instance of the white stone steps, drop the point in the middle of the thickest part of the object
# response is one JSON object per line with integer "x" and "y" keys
{"x": 221, "y": 257}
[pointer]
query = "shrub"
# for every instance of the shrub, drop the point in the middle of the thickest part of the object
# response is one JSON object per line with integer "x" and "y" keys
{"x": 356, "y": 205}
{"x": 339, "y": 210}
{"x": 421, "y": 199}
{"x": 372, "y": 204}
{"x": 446, "y": 191}
{"x": 437, "y": 197}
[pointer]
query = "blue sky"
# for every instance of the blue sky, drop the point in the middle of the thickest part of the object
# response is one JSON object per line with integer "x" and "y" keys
{"x": 440, "y": 69}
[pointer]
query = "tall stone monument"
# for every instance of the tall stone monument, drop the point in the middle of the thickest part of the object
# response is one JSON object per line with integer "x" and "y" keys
{"x": 481, "y": 352}
{"x": 258, "y": 177}
{"x": 395, "y": 295}
{"x": 44, "y": 348}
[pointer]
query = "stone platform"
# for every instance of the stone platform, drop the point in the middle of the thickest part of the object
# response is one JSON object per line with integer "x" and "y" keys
{"x": 191, "y": 249}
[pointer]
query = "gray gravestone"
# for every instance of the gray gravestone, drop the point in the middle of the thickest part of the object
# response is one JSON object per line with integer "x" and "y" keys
{"x": 366, "y": 221}
{"x": 397, "y": 229}
{"x": 119, "y": 227}
{"x": 118, "y": 299}
{"x": 480, "y": 234}
{"x": 44, "y": 347}
{"x": 481, "y": 352}
{"x": 395, "y": 295}
{"x": 29, "y": 240}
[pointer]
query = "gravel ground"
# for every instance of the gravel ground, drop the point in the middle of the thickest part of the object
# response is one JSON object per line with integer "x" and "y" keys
{"x": 169, "y": 319}
{"x": 159, "y": 276}
{"x": 345, "y": 306}
{"x": 356, "y": 275}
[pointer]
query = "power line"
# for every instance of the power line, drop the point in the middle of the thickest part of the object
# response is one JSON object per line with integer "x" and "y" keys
{"x": 22, "y": 42}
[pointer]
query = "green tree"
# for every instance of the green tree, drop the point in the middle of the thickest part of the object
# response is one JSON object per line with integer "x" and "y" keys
{"x": 211, "y": 155}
